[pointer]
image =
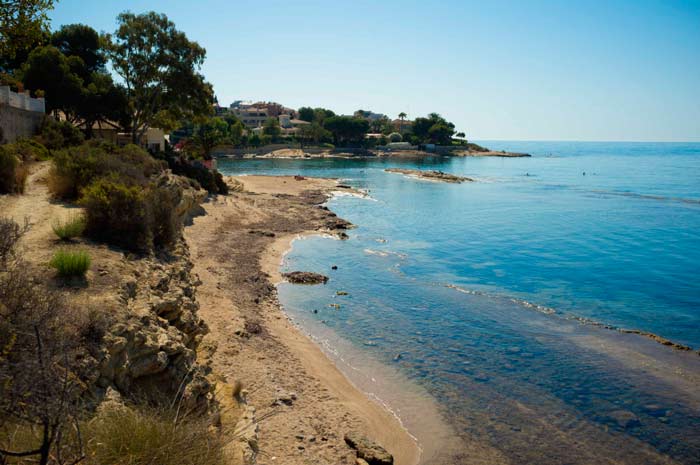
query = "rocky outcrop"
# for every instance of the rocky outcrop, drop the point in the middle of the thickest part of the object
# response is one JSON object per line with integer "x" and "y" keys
{"x": 370, "y": 452}
{"x": 150, "y": 349}
{"x": 187, "y": 195}
{"x": 431, "y": 175}
{"x": 305, "y": 277}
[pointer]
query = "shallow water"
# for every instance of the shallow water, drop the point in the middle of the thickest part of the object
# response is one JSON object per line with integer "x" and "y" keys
{"x": 469, "y": 290}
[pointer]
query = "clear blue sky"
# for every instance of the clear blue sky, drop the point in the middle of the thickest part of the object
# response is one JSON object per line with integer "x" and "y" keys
{"x": 536, "y": 70}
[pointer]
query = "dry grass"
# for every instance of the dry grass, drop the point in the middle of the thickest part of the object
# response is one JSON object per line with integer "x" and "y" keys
{"x": 125, "y": 436}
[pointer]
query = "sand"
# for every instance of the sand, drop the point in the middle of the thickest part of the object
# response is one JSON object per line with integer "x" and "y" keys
{"x": 237, "y": 248}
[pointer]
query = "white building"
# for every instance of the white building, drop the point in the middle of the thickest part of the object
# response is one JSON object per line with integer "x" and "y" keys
{"x": 20, "y": 114}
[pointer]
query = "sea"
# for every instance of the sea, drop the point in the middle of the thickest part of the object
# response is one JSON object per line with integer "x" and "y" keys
{"x": 512, "y": 301}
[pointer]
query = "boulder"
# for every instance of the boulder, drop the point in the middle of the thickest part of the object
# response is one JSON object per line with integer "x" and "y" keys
{"x": 367, "y": 450}
{"x": 305, "y": 277}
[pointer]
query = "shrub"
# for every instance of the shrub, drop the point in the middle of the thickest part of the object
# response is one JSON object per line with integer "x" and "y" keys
{"x": 56, "y": 135}
{"x": 30, "y": 150}
{"x": 69, "y": 263}
{"x": 164, "y": 224}
{"x": 42, "y": 391}
{"x": 72, "y": 227}
{"x": 395, "y": 137}
{"x": 13, "y": 174}
{"x": 126, "y": 436}
{"x": 75, "y": 168}
{"x": 117, "y": 213}
{"x": 211, "y": 180}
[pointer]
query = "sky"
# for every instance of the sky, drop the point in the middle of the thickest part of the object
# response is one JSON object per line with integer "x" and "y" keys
{"x": 616, "y": 70}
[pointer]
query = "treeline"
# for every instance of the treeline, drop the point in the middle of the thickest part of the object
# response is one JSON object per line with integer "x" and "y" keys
{"x": 158, "y": 68}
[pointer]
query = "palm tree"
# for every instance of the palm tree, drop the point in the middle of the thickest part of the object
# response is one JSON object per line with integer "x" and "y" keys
{"x": 402, "y": 116}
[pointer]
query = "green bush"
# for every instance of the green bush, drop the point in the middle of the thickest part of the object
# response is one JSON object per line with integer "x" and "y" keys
{"x": 69, "y": 263}
{"x": 72, "y": 227}
{"x": 56, "y": 135}
{"x": 125, "y": 436}
{"x": 30, "y": 150}
{"x": 75, "y": 168}
{"x": 211, "y": 180}
{"x": 164, "y": 224}
{"x": 117, "y": 213}
{"x": 13, "y": 174}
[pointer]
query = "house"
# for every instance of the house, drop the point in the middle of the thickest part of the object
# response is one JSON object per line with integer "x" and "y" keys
{"x": 368, "y": 115}
{"x": 401, "y": 126}
{"x": 251, "y": 116}
{"x": 153, "y": 139}
{"x": 20, "y": 114}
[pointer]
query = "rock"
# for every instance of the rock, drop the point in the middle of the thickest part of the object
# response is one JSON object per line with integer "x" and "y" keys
{"x": 334, "y": 267}
{"x": 367, "y": 450}
{"x": 432, "y": 175}
{"x": 624, "y": 418}
{"x": 285, "y": 398}
{"x": 305, "y": 277}
{"x": 341, "y": 293}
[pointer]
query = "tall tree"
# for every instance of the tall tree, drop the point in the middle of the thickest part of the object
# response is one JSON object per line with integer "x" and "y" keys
{"x": 306, "y": 114}
{"x": 81, "y": 41}
{"x": 208, "y": 134}
{"x": 434, "y": 129}
{"x": 24, "y": 24}
{"x": 49, "y": 70}
{"x": 272, "y": 128}
{"x": 312, "y": 133}
{"x": 346, "y": 129}
{"x": 160, "y": 70}
{"x": 402, "y": 117}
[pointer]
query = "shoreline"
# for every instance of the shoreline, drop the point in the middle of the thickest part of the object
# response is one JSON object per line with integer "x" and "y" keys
{"x": 260, "y": 346}
{"x": 313, "y": 153}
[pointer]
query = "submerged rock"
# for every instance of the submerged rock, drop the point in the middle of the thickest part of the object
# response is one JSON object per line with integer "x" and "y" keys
{"x": 367, "y": 450}
{"x": 305, "y": 277}
{"x": 624, "y": 418}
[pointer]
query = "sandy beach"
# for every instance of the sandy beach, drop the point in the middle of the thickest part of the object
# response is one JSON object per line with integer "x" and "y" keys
{"x": 303, "y": 403}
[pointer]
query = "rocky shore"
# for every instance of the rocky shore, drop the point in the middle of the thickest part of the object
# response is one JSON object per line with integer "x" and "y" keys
{"x": 431, "y": 175}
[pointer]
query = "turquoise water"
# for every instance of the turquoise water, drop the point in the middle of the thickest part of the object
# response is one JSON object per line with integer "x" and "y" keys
{"x": 471, "y": 289}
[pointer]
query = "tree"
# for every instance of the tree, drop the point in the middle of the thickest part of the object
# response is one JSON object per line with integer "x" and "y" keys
{"x": 321, "y": 114}
{"x": 208, "y": 134}
{"x": 346, "y": 129}
{"x": 312, "y": 134}
{"x": 433, "y": 129}
{"x": 85, "y": 94}
{"x": 272, "y": 128}
{"x": 160, "y": 69}
{"x": 462, "y": 136}
{"x": 306, "y": 114}
{"x": 81, "y": 41}
{"x": 24, "y": 24}
{"x": 235, "y": 129}
{"x": 49, "y": 70}
{"x": 402, "y": 117}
